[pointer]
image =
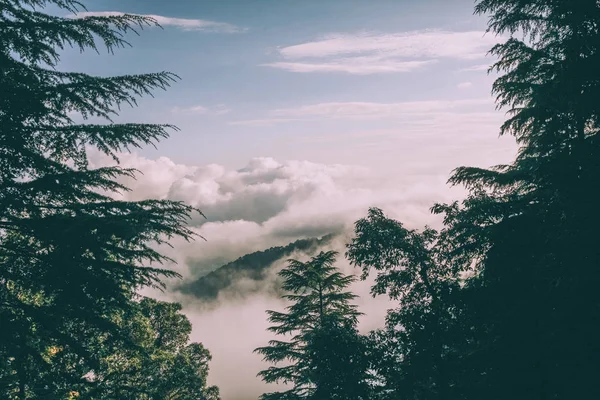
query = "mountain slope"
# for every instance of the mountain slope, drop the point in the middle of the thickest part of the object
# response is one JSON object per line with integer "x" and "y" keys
{"x": 253, "y": 266}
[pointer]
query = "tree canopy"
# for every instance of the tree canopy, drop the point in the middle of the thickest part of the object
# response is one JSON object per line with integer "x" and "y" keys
{"x": 498, "y": 303}
{"x": 325, "y": 357}
{"x": 72, "y": 258}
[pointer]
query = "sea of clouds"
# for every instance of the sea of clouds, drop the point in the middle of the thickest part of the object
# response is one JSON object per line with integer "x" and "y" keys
{"x": 264, "y": 204}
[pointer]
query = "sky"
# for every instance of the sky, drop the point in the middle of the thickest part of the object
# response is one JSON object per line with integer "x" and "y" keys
{"x": 295, "y": 117}
{"x": 337, "y": 81}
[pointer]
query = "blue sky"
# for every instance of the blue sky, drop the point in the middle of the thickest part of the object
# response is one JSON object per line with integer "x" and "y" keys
{"x": 324, "y": 81}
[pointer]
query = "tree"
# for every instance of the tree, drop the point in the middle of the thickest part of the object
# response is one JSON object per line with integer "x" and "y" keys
{"x": 325, "y": 357}
{"x": 415, "y": 354}
{"x": 169, "y": 367}
{"x": 71, "y": 257}
{"x": 530, "y": 226}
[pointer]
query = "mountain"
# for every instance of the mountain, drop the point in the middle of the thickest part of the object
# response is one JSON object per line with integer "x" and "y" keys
{"x": 253, "y": 266}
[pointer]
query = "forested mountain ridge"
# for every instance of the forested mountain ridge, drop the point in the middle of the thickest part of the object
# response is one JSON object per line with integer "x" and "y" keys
{"x": 253, "y": 266}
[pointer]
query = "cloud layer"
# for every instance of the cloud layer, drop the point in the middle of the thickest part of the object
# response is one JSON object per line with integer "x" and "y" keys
{"x": 410, "y": 111}
{"x": 369, "y": 53}
{"x": 379, "y": 110}
{"x": 267, "y": 203}
{"x": 219, "y": 109}
{"x": 182, "y": 23}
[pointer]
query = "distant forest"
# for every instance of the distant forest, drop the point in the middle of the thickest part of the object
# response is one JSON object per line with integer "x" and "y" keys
{"x": 500, "y": 303}
{"x": 253, "y": 266}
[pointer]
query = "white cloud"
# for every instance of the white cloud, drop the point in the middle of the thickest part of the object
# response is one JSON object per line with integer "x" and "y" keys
{"x": 220, "y": 109}
{"x": 190, "y": 110}
{"x": 238, "y": 325}
{"x": 261, "y": 122}
{"x": 353, "y": 66}
{"x": 410, "y": 111}
{"x": 267, "y": 203}
{"x": 271, "y": 203}
{"x": 464, "y": 85}
{"x": 478, "y": 67}
{"x": 379, "y": 110}
{"x": 182, "y": 23}
{"x": 416, "y": 44}
{"x": 368, "y": 53}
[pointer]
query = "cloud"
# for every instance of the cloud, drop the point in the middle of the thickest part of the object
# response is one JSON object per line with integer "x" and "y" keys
{"x": 200, "y": 110}
{"x": 182, "y": 23}
{"x": 264, "y": 204}
{"x": 409, "y": 112}
{"x": 238, "y": 325}
{"x": 378, "y": 110}
{"x": 353, "y": 66}
{"x": 261, "y": 122}
{"x": 269, "y": 203}
{"x": 369, "y": 53}
{"x": 464, "y": 85}
{"x": 219, "y": 109}
{"x": 478, "y": 67}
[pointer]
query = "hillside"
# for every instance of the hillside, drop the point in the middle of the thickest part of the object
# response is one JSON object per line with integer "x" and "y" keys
{"x": 253, "y": 266}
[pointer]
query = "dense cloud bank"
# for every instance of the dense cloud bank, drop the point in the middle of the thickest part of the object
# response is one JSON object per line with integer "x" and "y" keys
{"x": 268, "y": 203}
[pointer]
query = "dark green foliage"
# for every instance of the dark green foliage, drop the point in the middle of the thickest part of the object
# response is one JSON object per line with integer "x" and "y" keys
{"x": 413, "y": 355}
{"x": 168, "y": 367}
{"x": 252, "y": 266}
{"x": 320, "y": 308}
{"x": 71, "y": 257}
{"x": 530, "y": 227}
{"x": 500, "y": 304}
{"x": 339, "y": 357}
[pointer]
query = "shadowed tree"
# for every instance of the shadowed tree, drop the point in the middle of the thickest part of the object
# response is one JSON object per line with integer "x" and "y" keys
{"x": 71, "y": 256}
{"x": 169, "y": 367}
{"x": 325, "y": 357}
{"x": 415, "y": 354}
{"x": 530, "y": 226}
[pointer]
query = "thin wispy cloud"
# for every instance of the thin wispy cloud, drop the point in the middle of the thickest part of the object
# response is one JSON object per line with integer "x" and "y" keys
{"x": 478, "y": 67}
{"x": 378, "y": 110}
{"x": 219, "y": 109}
{"x": 354, "y": 66}
{"x": 464, "y": 85}
{"x": 182, "y": 23}
{"x": 410, "y": 110}
{"x": 262, "y": 122}
{"x": 368, "y": 53}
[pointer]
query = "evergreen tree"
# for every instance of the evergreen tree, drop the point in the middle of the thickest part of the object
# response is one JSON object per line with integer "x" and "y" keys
{"x": 71, "y": 257}
{"x": 325, "y": 358}
{"x": 530, "y": 226}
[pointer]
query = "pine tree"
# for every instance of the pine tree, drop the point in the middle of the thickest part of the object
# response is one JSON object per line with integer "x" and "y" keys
{"x": 325, "y": 357}
{"x": 71, "y": 257}
{"x": 530, "y": 226}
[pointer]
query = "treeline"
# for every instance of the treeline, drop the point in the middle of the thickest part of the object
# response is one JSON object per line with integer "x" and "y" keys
{"x": 501, "y": 303}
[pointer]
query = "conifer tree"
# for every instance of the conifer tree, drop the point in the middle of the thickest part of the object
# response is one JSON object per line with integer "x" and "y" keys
{"x": 325, "y": 357}
{"x": 530, "y": 226}
{"x": 71, "y": 256}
